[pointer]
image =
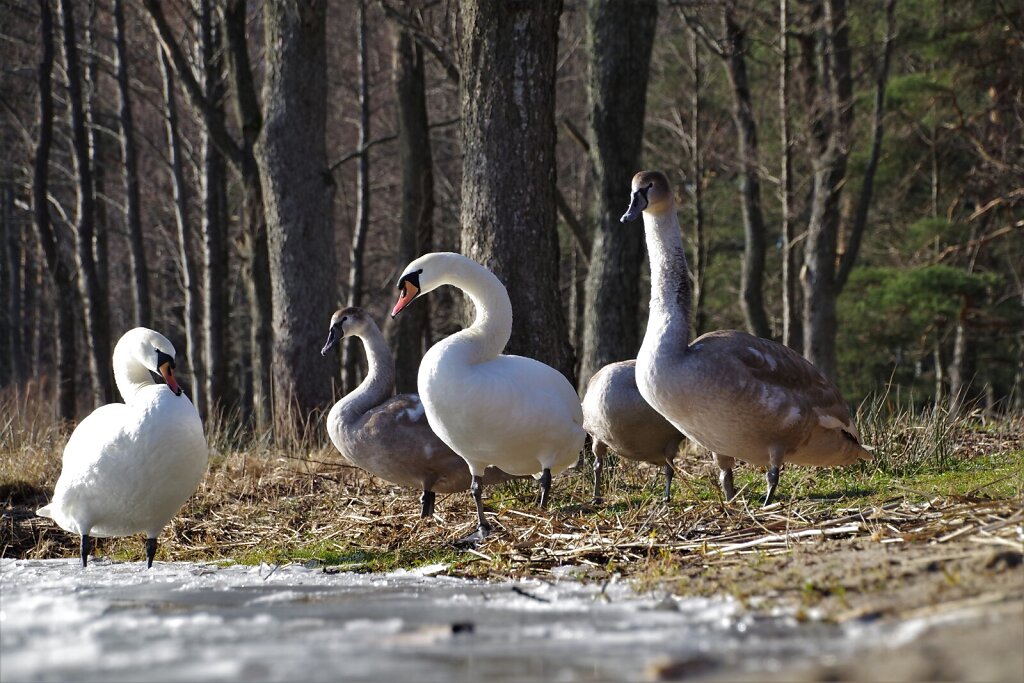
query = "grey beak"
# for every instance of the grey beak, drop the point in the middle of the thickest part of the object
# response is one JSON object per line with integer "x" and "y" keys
{"x": 637, "y": 204}
{"x": 332, "y": 339}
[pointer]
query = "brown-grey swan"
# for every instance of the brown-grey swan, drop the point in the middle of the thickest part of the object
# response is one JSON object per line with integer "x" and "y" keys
{"x": 618, "y": 418}
{"x": 129, "y": 467}
{"x": 388, "y": 435}
{"x": 511, "y": 412}
{"x": 740, "y": 396}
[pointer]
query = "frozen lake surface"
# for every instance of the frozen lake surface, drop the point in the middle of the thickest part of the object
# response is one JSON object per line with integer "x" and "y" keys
{"x": 203, "y": 622}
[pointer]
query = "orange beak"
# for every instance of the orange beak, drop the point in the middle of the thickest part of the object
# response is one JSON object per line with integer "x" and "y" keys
{"x": 409, "y": 292}
{"x": 168, "y": 375}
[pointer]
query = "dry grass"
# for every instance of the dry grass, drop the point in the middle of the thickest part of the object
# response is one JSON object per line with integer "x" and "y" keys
{"x": 293, "y": 498}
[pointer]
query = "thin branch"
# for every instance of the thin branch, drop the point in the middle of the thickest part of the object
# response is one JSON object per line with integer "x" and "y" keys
{"x": 426, "y": 41}
{"x": 355, "y": 154}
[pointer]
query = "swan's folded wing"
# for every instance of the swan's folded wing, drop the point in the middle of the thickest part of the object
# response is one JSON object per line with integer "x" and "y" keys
{"x": 102, "y": 432}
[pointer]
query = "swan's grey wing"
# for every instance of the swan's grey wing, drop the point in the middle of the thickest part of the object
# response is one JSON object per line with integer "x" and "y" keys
{"x": 776, "y": 364}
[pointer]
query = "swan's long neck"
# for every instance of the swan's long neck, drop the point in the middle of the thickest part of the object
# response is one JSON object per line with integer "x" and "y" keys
{"x": 130, "y": 375}
{"x": 669, "y": 321}
{"x": 379, "y": 383}
{"x": 492, "y": 326}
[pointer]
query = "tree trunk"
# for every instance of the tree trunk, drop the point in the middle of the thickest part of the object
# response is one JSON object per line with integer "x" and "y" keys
{"x": 63, "y": 277}
{"x": 409, "y": 333}
{"x": 508, "y": 53}
{"x": 99, "y": 153}
{"x": 792, "y": 335}
{"x": 256, "y": 246}
{"x": 217, "y": 394}
{"x": 93, "y": 304}
{"x": 141, "y": 310}
{"x": 297, "y": 196}
{"x": 752, "y": 278}
{"x": 700, "y": 261}
{"x": 12, "y": 288}
{"x": 830, "y": 84}
{"x": 620, "y": 36}
{"x": 351, "y": 349}
{"x": 189, "y": 275}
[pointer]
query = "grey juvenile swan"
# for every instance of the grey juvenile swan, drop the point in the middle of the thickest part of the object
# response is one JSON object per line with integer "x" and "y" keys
{"x": 388, "y": 435}
{"x": 512, "y": 412}
{"x": 618, "y": 418}
{"x": 739, "y": 396}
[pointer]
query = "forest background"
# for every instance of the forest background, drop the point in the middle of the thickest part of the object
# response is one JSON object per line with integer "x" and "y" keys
{"x": 850, "y": 179}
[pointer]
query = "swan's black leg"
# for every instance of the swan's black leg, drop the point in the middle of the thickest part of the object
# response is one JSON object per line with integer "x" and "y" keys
{"x": 150, "y": 552}
{"x": 725, "y": 478}
{"x": 86, "y": 545}
{"x": 427, "y": 503}
{"x": 600, "y": 451}
{"x": 670, "y": 472}
{"x": 483, "y": 529}
{"x": 545, "y": 487}
{"x": 773, "y": 481}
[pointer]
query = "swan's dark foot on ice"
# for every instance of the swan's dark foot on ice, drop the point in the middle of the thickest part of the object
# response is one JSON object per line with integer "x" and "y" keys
{"x": 86, "y": 545}
{"x": 150, "y": 552}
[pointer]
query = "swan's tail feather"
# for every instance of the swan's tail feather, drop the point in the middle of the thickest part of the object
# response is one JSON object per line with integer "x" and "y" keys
{"x": 45, "y": 511}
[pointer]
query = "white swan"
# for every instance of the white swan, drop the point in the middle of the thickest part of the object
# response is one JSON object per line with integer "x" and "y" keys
{"x": 739, "y": 396}
{"x": 388, "y": 435}
{"x": 512, "y": 412}
{"x": 617, "y": 417}
{"x": 129, "y": 467}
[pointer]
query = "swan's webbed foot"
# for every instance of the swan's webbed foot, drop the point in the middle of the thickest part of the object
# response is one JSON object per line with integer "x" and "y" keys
{"x": 482, "y": 532}
{"x": 86, "y": 545}
{"x": 545, "y": 488}
{"x": 773, "y": 482}
{"x": 150, "y": 552}
{"x": 427, "y": 504}
{"x": 670, "y": 473}
{"x": 725, "y": 479}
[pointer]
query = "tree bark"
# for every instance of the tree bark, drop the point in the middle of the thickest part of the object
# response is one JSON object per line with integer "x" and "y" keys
{"x": 189, "y": 272}
{"x": 351, "y": 348}
{"x": 754, "y": 231}
{"x": 256, "y": 245}
{"x": 63, "y": 277}
{"x": 409, "y": 333}
{"x": 620, "y": 37}
{"x": 701, "y": 260}
{"x": 792, "y": 335}
{"x": 297, "y": 196}
{"x": 507, "y": 55}
{"x": 14, "y": 370}
{"x": 93, "y": 304}
{"x": 141, "y": 309}
{"x": 217, "y": 394}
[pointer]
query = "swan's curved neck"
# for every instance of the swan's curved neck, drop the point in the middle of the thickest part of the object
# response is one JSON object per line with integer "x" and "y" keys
{"x": 669, "y": 321}
{"x": 379, "y": 382}
{"x": 492, "y": 326}
{"x": 130, "y": 375}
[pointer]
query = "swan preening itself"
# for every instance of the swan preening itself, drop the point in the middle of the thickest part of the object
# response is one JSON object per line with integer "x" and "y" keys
{"x": 618, "y": 418}
{"x": 511, "y": 412}
{"x": 388, "y": 435}
{"x": 129, "y": 467}
{"x": 740, "y": 396}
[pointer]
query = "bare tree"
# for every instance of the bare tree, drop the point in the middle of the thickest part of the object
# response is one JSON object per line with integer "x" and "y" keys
{"x": 507, "y": 58}
{"x": 142, "y": 311}
{"x": 620, "y": 37}
{"x": 352, "y": 349}
{"x": 409, "y": 334}
{"x": 93, "y": 303}
{"x": 297, "y": 193}
{"x": 189, "y": 270}
{"x": 792, "y": 335}
{"x": 63, "y": 276}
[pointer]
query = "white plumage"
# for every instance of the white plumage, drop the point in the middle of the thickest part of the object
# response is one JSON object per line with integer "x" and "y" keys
{"x": 511, "y": 412}
{"x": 129, "y": 467}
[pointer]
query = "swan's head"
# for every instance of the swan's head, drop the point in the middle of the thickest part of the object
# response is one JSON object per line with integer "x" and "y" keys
{"x": 650, "y": 193}
{"x": 347, "y": 322}
{"x": 153, "y": 351}
{"x": 425, "y": 274}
